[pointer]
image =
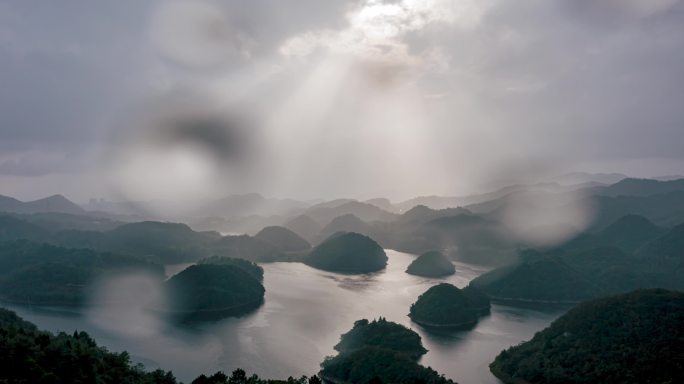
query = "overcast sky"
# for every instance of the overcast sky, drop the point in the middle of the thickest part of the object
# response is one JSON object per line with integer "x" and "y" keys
{"x": 309, "y": 98}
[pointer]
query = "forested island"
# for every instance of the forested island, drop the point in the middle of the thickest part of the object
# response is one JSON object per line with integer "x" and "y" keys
{"x": 213, "y": 291}
{"x": 446, "y": 306}
{"x": 253, "y": 269}
{"x": 348, "y": 253}
{"x": 379, "y": 351}
{"x": 431, "y": 264}
{"x": 632, "y": 338}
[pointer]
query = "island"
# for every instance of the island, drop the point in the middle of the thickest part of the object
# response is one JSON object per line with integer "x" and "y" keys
{"x": 206, "y": 292}
{"x": 630, "y": 338}
{"x": 283, "y": 239}
{"x": 446, "y": 306}
{"x": 379, "y": 351}
{"x": 348, "y": 253}
{"x": 250, "y": 267}
{"x": 431, "y": 264}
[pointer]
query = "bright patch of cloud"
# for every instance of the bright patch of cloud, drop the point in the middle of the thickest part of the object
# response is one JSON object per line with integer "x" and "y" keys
{"x": 376, "y": 30}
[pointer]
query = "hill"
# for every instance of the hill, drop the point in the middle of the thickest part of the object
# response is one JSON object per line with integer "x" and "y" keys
{"x": 54, "y": 203}
{"x": 640, "y": 187}
{"x": 538, "y": 278}
{"x": 445, "y": 306}
{"x": 628, "y": 234}
{"x": 209, "y": 292}
{"x": 13, "y": 228}
{"x": 421, "y": 214}
{"x": 304, "y": 226}
{"x": 348, "y": 253}
{"x": 379, "y": 351}
{"x": 465, "y": 237}
{"x": 325, "y": 212}
{"x": 283, "y": 239}
{"x": 42, "y": 274}
{"x": 253, "y": 269}
{"x": 631, "y": 338}
{"x": 34, "y": 356}
{"x": 431, "y": 264}
{"x": 629, "y": 255}
{"x": 344, "y": 223}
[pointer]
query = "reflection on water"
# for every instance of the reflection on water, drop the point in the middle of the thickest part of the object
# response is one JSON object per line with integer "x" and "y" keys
{"x": 305, "y": 312}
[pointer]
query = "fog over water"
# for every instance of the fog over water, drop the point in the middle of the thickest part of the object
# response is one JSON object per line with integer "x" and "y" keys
{"x": 305, "y": 312}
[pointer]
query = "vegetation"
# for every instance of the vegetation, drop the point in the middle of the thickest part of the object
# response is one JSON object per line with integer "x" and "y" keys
{"x": 348, "y": 253}
{"x": 632, "y": 338}
{"x": 253, "y": 269}
{"x": 379, "y": 351}
{"x": 384, "y": 334}
{"x": 444, "y": 305}
{"x": 538, "y": 278}
{"x": 208, "y": 292}
{"x": 377, "y": 365}
{"x": 33, "y": 356}
{"x": 44, "y": 274}
{"x": 239, "y": 376}
{"x": 13, "y": 228}
{"x": 594, "y": 265}
{"x": 431, "y": 264}
{"x": 165, "y": 243}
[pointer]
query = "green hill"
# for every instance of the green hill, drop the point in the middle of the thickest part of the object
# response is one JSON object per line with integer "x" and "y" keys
{"x": 348, "y": 253}
{"x": 628, "y": 233}
{"x": 444, "y": 305}
{"x": 538, "y": 278}
{"x": 379, "y": 351}
{"x": 42, "y": 274}
{"x": 253, "y": 269}
{"x": 209, "y": 292}
{"x": 13, "y": 228}
{"x": 631, "y": 253}
{"x": 384, "y": 334}
{"x": 431, "y": 264}
{"x": 33, "y": 356}
{"x": 632, "y": 338}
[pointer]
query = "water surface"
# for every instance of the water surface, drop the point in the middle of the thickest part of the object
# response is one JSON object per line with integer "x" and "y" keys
{"x": 305, "y": 312}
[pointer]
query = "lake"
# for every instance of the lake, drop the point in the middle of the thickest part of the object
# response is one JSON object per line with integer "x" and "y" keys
{"x": 305, "y": 312}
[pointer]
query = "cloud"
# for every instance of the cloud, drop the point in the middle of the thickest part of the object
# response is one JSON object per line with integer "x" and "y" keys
{"x": 394, "y": 97}
{"x": 198, "y": 35}
{"x": 375, "y": 30}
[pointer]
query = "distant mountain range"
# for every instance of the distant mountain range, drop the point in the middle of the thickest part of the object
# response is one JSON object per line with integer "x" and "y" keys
{"x": 54, "y": 203}
{"x": 249, "y": 213}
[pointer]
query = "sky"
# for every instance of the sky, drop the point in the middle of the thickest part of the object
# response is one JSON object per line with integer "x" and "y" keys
{"x": 179, "y": 100}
